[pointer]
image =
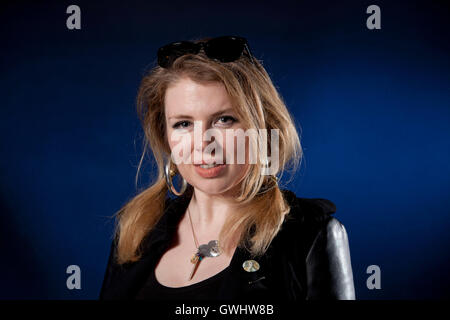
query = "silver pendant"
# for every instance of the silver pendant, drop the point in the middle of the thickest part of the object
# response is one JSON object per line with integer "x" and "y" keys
{"x": 211, "y": 249}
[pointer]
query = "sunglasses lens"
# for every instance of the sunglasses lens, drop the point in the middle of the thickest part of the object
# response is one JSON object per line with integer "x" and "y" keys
{"x": 169, "y": 53}
{"x": 225, "y": 49}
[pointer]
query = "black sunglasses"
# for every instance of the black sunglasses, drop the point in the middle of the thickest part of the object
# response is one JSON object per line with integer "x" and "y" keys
{"x": 223, "y": 49}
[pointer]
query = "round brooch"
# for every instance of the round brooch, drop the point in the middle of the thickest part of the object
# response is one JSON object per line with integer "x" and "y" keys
{"x": 250, "y": 265}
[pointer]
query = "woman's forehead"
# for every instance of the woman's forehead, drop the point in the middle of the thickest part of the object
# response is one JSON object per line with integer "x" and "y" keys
{"x": 189, "y": 98}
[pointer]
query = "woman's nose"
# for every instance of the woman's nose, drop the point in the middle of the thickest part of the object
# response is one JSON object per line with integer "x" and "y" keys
{"x": 203, "y": 136}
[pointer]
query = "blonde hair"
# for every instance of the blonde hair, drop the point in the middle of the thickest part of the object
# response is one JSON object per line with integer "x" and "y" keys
{"x": 258, "y": 106}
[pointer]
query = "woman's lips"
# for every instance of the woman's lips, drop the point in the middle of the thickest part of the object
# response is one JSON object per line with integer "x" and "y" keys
{"x": 211, "y": 172}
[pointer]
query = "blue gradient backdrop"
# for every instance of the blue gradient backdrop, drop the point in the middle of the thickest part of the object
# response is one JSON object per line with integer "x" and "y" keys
{"x": 372, "y": 107}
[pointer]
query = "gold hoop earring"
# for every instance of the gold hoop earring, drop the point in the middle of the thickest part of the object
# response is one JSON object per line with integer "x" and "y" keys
{"x": 274, "y": 179}
{"x": 169, "y": 174}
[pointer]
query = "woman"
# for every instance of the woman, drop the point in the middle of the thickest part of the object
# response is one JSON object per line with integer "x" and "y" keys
{"x": 230, "y": 232}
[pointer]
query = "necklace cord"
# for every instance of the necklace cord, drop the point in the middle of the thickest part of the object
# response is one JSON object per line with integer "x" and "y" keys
{"x": 192, "y": 227}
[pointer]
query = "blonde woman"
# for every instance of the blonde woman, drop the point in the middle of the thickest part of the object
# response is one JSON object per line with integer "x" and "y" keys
{"x": 229, "y": 231}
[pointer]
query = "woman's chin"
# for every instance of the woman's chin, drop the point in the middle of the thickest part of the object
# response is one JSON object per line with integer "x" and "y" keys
{"x": 212, "y": 186}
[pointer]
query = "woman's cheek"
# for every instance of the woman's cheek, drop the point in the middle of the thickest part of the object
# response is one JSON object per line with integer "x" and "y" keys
{"x": 181, "y": 146}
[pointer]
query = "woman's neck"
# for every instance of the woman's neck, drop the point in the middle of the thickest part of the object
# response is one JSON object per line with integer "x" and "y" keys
{"x": 209, "y": 212}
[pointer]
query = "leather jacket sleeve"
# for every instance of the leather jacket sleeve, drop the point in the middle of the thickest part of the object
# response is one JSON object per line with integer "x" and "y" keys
{"x": 328, "y": 265}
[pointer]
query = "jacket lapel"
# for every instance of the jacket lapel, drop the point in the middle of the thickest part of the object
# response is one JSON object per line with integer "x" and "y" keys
{"x": 245, "y": 284}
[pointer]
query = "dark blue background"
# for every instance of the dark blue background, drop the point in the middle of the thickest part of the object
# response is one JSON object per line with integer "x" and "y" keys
{"x": 372, "y": 105}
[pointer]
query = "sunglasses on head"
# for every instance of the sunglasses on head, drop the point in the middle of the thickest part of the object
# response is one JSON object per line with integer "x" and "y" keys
{"x": 223, "y": 49}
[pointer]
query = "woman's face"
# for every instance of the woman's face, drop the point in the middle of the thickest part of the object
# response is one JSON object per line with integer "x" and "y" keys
{"x": 187, "y": 102}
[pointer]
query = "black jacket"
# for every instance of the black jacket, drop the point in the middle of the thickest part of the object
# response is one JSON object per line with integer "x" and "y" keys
{"x": 309, "y": 258}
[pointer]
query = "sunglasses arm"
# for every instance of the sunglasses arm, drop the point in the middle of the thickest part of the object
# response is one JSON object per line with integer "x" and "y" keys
{"x": 249, "y": 53}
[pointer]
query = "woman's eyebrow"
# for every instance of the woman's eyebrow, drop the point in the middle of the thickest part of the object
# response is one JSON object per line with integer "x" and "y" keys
{"x": 181, "y": 116}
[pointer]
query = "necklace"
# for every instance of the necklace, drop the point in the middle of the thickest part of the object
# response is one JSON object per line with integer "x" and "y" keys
{"x": 212, "y": 249}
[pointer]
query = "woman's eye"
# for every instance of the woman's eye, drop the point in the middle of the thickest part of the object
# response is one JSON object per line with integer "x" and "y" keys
{"x": 178, "y": 124}
{"x": 230, "y": 119}
{"x": 181, "y": 124}
{"x": 227, "y": 120}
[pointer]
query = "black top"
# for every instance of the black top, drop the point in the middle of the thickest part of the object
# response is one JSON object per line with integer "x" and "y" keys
{"x": 309, "y": 258}
{"x": 203, "y": 290}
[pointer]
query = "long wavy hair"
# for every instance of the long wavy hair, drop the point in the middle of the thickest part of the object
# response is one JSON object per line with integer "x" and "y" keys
{"x": 258, "y": 104}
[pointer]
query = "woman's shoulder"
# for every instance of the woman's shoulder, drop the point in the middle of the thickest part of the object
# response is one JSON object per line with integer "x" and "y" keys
{"x": 308, "y": 210}
{"x": 317, "y": 244}
{"x": 310, "y": 217}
